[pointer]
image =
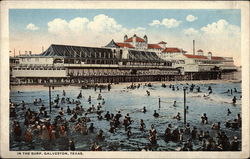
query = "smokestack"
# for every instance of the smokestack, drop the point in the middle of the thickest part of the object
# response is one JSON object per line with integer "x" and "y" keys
{"x": 193, "y": 47}
{"x": 42, "y": 49}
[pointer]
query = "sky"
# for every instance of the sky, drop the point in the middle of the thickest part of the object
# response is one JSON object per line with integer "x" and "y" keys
{"x": 217, "y": 31}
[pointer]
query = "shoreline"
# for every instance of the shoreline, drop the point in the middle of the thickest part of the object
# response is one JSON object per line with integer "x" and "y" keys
{"x": 43, "y": 87}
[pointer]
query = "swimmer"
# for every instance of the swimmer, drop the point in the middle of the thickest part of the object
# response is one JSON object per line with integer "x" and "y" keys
{"x": 99, "y": 97}
{"x": 228, "y": 112}
{"x": 204, "y": 119}
{"x": 144, "y": 110}
{"x": 91, "y": 128}
{"x": 178, "y": 117}
{"x": 174, "y": 104}
{"x": 155, "y": 114}
{"x": 148, "y": 93}
{"x": 89, "y": 99}
{"x": 64, "y": 93}
{"x": 142, "y": 125}
{"x": 216, "y": 126}
{"x": 234, "y": 100}
{"x": 79, "y": 95}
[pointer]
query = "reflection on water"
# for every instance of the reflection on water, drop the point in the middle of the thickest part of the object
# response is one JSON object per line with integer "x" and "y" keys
{"x": 132, "y": 101}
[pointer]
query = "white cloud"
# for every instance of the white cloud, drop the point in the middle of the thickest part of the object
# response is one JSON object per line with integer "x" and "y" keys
{"x": 190, "y": 32}
{"x": 168, "y": 23}
{"x": 103, "y": 23}
{"x": 222, "y": 28}
{"x": 81, "y": 30}
{"x": 191, "y": 18}
{"x": 32, "y": 27}
{"x": 58, "y": 26}
{"x": 219, "y": 37}
{"x": 78, "y": 24}
{"x": 155, "y": 22}
{"x": 100, "y": 24}
{"x": 224, "y": 38}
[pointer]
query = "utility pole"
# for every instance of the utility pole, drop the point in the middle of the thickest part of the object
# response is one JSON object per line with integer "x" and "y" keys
{"x": 50, "y": 99}
{"x": 159, "y": 103}
{"x": 184, "y": 89}
{"x": 193, "y": 47}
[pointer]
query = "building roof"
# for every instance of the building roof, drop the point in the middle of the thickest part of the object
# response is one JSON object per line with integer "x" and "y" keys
{"x": 125, "y": 45}
{"x": 204, "y": 57}
{"x": 154, "y": 46}
{"x": 195, "y": 56}
{"x": 112, "y": 44}
{"x": 199, "y": 50}
{"x": 172, "y": 50}
{"x": 162, "y": 42}
{"x": 137, "y": 39}
{"x": 217, "y": 58}
{"x": 144, "y": 56}
{"x": 70, "y": 51}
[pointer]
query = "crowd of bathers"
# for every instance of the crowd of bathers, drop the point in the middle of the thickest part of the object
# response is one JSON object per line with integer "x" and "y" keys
{"x": 39, "y": 124}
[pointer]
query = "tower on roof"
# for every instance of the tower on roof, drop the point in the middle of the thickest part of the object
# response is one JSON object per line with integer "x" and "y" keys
{"x": 209, "y": 55}
{"x": 134, "y": 38}
{"x": 200, "y": 52}
{"x": 145, "y": 38}
{"x": 163, "y": 44}
{"x": 125, "y": 38}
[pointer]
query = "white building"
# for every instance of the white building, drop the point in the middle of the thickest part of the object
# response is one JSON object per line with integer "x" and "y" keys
{"x": 61, "y": 63}
{"x": 197, "y": 63}
{"x": 39, "y": 66}
{"x": 132, "y": 57}
{"x": 137, "y": 43}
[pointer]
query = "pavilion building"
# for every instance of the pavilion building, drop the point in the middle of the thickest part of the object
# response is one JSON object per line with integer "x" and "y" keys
{"x": 133, "y": 60}
{"x": 77, "y": 64}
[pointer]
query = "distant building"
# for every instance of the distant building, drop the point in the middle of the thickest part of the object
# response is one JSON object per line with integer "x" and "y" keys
{"x": 133, "y": 60}
{"x": 199, "y": 65}
{"x": 77, "y": 64}
{"x": 137, "y": 43}
{"x": 170, "y": 52}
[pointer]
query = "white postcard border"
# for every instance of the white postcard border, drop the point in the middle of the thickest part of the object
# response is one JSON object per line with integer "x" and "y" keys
{"x": 4, "y": 72}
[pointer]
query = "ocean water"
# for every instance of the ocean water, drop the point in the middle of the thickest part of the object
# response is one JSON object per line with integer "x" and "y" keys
{"x": 132, "y": 101}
